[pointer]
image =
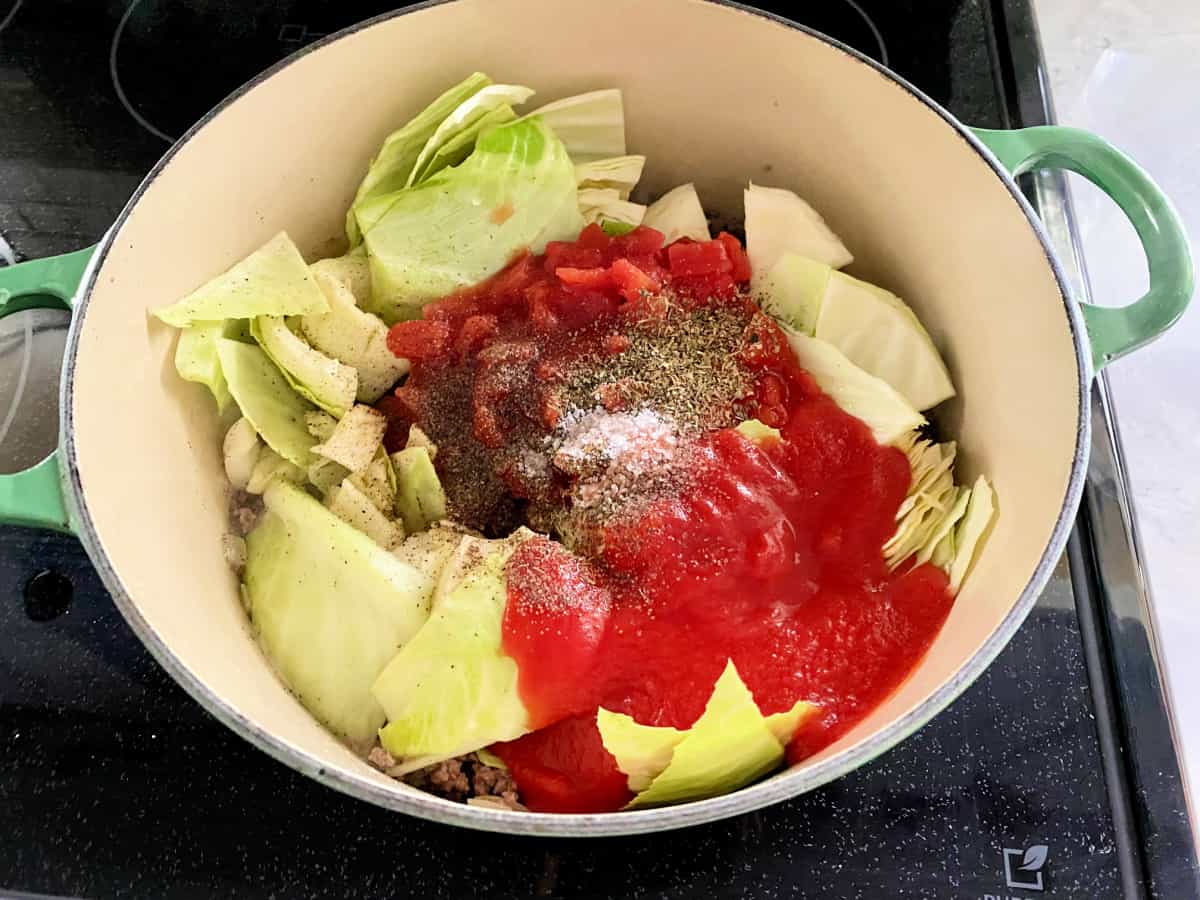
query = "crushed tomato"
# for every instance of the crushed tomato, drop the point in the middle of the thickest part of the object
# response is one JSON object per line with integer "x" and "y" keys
{"x": 770, "y": 557}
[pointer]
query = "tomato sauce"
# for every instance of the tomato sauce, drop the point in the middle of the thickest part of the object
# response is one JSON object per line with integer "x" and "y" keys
{"x": 767, "y": 553}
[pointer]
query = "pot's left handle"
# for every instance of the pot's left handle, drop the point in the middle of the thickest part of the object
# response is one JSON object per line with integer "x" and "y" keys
{"x": 35, "y": 497}
{"x": 1113, "y": 332}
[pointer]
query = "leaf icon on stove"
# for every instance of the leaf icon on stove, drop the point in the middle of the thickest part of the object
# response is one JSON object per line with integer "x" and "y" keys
{"x": 1034, "y": 858}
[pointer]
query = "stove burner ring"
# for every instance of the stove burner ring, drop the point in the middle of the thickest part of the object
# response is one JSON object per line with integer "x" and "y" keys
{"x": 883, "y": 51}
{"x": 115, "y": 77}
{"x": 11, "y": 14}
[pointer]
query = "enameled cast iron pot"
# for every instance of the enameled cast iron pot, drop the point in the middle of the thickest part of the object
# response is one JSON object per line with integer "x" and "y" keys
{"x": 715, "y": 93}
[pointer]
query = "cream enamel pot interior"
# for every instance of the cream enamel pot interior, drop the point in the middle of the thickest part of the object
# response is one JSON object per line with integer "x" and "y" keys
{"x": 716, "y": 94}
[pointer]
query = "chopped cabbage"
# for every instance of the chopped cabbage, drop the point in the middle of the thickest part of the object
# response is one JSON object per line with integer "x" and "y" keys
{"x": 778, "y": 222}
{"x": 320, "y": 424}
{"x": 729, "y": 746}
{"x": 420, "y": 500}
{"x": 459, "y": 147}
{"x": 355, "y": 439}
{"x": 318, "y": 378}
{"x": 678, "y": 214}
{"x": 792, "y": 291}
{"x": 861, "y": 394}
{"x": 272, "y": 281}
{"x": 939, "y": 522}
{"x": 606, "y": 205}
{"x": 877, "y": 331}
{"x": 196, "y": 357}
{"x": 620, "y": 173}
{"x": 756, "y": 431}
{"x": 267, "y": 400}
{"x": 352, "y": 506}
{"x": 356, "y": 338}
{"x": 515, "y": 191}
{"x": 418, "y": 438}
{"x": 240, "y": 449}
{"x": 641, "y": 752}
{"x": 451, "y": 689}
{"x": 431, "y": 549}
{"x": 378, "y": 482}
{"x": 351, "y": 271}
{"x": 269, "y": 466}
{"x": 330, "y": 608}
{"x": 969, "y": 535}
{"x": 591, "y": 125}
{"x": 325, "y": 474}
{"x": 465, "y": 119}
{"x": 391, "y": 167}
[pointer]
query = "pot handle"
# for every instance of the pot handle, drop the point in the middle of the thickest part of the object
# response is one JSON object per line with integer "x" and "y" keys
{"x": 1113, "y": 332}
{"x": 34, "y": 497}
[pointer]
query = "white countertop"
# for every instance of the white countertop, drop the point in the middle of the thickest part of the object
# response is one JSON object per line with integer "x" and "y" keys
{"x": 1129, "y": 70}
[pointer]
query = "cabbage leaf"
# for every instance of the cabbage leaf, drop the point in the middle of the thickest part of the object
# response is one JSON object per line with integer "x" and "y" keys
{"x": 390, "y": 169}
{"x": 272, "y": 281}
{"x": 267, "y": 400}
{"x": 678, "y": 214}
{"x": 330, "y": 608}
{"x": 516, "y": 191}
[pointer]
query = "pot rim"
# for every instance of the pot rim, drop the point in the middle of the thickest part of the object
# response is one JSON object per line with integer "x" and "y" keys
{"x": 426, "y": 806}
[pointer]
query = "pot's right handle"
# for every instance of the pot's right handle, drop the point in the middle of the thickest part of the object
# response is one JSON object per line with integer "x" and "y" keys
{"x": 1113, "y": 332}
{"x": 34, "y": 497}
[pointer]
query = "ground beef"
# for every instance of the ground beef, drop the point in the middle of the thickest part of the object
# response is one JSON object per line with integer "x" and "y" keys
{"x": 244, "y": 510}
{"x": 464, "y": 778}
{"x": 381, "y": 759}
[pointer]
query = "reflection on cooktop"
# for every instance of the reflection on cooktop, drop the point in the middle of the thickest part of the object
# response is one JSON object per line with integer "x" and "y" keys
{"x": 115, "y": 783}
{"x": 170, "y": 61}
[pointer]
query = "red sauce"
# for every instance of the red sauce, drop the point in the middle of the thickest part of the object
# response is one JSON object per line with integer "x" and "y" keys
{"x": 769, "y": 555}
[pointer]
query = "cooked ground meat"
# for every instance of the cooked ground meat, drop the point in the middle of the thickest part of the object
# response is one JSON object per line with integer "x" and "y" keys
{"x": 463, "y": 778}
{"x": 381, "y": 759}
{"x": 244, "y": 510}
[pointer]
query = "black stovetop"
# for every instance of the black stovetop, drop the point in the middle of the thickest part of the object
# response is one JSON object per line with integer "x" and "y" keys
{"x": 114, "y": 783}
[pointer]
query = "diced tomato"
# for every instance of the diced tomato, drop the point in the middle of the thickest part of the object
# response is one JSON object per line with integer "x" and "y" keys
{"x": 493, "y": 296}
{"x": 550, "y": 406}
{"x": 393, "y": 407}
{"x": 518, "y": 275}
{"x": 399, "y": 419}
{"x": 579, "y": 310}
{"x": 541, "y": 316}
{"x": 771, "y": 390}
{"x": 474, "y": 334}
{"x": 698, "y": 289}
{"x": 449, "y": 308}
{"x": 704, "y": 258}
{"x": 596, "y": 279}
{"x": 740, "y": 272}
{"x": 616, "y": 343}
{"x": 630, "y": 281}
{"x": 560, "y": 254}
{"x": 614, "y": 396}
{"x": 593, "y": 237}
{"x": 565, "y": 768}
{"x": 515, "y": 353}
{"x": 642, "y": 241}
{"x": 486, "y": 428}
{"x": 549, "y": 370}
{"x": 646, "y": 306}
{"x": 419, "y": 339}
{"x": 772, "y": 416}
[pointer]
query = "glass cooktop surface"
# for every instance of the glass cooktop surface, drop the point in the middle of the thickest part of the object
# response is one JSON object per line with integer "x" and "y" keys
{"x": 115, "y": 783}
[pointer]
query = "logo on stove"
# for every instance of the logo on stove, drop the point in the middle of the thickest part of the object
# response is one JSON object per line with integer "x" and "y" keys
{"x": 1023, "y": 868}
